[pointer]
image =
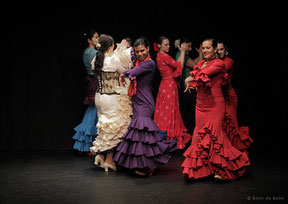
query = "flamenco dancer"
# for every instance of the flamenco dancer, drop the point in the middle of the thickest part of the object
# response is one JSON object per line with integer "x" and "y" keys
{"x": 187, "y": 101}
{"x": 86, "y": 131}
{"x": 112, "y": 102}
{"x": 211, "y": 152}
{"x": 167, "y": 114}
{"x": 239, "y": 136}
{"x": 142, "y": 149}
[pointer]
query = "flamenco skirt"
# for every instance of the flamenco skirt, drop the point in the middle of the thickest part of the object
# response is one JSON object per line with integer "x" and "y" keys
{"x": 86, "y": 131}
{"x": 114, "y": 113}
{"x": 238, "y": 136}
{"x": 212, "y": 153}
{"x": 142, "y": 146}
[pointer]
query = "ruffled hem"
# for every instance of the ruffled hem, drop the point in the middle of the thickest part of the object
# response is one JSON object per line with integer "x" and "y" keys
{"x": 211, "y": 155}
{"x": 86, "y": 129}
{"x": 143, "y": 149}
{"x": 88, "y": 124}
{"x": 181, "y": 139}
{"x": 83, "y": 141}
{"x": 83, "y": 144}
{"x": 239, "y": 137}
{"x": 109, "y": 137}
{"x": 142, "y": 122}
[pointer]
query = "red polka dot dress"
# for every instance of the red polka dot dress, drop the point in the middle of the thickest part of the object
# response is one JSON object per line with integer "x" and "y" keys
{"x": 167, "y": 112}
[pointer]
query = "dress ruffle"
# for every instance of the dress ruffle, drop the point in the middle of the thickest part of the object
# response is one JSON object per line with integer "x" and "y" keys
{"x": 199, "y": 78}
{"x": 239, "y": 137}
{"x": 211, "y": 153}
{"x": 142, "y": 148}
{"x": 83, "y": 142}
{"x": 112, "y": 129}
{"x": 86, "y": 131}
{"x": 142, "y": 122}
{"x": 181, "y": 136}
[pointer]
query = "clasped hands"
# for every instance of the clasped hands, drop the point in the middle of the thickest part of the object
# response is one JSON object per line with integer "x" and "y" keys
{"x": 122, "y": 80}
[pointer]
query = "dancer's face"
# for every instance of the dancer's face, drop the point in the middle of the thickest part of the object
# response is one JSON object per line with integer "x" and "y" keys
{"x": 141, "y": 52}
{"x": 221, "y": 50}
{"x": 164, "y": 46}
{"x": 189, "y": 48}
{"x": 94, "y": 39}
{"x": 207, "y": 50}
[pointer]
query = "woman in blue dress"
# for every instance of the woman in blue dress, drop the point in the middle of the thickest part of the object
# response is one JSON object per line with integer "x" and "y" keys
{"x": 86, "y": 131}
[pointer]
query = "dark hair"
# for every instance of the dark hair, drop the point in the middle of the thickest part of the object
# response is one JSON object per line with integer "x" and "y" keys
{"x": 105, "y": 42}
{"x": 185, "y": 40}
{"x": 222, "y": 42}
{"x": 214, "y": 44}
{"x": 141, "y": 41}
{"x": 129, "y": 40}
{"x": 161, "y": 39}
{"x": 85, "y": 36}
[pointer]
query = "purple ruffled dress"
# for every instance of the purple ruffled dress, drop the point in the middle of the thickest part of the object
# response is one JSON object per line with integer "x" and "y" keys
{"x": 142, "y": 146}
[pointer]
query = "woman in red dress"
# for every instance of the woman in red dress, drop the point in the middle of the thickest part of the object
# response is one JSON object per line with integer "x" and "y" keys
{"x": 211, "y": 152}
{"x": 239, "y": 136}
{"x": 167, "y": 112}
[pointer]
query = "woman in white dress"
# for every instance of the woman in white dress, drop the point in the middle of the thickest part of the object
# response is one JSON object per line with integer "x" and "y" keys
{"x": 112, "y": 102}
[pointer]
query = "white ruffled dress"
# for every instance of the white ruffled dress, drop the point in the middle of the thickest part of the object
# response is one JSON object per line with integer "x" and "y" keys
{"x": 113, "y": 109}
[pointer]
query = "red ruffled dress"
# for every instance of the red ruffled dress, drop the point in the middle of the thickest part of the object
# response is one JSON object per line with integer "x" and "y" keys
{"x": 211, "y": 151}
{"x": 167, "y": 112}
{"x": 239, "y": 136}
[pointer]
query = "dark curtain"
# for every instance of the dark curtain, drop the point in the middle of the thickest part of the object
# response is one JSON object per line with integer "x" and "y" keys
{"x": 43, "y": 79}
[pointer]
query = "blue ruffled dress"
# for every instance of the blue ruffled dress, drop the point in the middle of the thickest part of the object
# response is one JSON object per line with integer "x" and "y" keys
{"x": 86, "y": 131}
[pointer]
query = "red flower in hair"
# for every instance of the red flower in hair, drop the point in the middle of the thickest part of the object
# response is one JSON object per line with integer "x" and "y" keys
{"x": 155, "y": 46}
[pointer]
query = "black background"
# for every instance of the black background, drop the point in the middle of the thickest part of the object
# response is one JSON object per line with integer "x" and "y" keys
{"x": 42, "y": 74}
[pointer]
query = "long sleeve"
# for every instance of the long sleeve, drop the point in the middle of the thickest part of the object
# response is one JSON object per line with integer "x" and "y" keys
{"x": 147, "y": 66}
{"x": 228, "y": 64}
{"x": 174, "y": 64}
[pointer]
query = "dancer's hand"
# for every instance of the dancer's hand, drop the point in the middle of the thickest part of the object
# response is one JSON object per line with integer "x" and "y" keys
{"x": 199, "y": 50}
{"x": 183, "y": 47}
{"x": 122, "y": 80}
{"x": 187, "y": 88}
{"x": 188, "y": 80}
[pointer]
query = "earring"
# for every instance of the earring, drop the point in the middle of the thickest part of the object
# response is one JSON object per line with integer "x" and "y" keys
{"x": 226, "y": 52}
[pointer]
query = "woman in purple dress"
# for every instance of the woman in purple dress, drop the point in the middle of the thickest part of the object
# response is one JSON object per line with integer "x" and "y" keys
{"x": 142, "y": 148}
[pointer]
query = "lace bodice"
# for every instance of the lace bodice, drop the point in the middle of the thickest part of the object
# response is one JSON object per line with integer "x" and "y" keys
{"x": 109, "y": 80}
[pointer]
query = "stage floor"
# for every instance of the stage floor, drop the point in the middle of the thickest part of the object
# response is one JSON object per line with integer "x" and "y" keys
{"x": 66, "y": 177}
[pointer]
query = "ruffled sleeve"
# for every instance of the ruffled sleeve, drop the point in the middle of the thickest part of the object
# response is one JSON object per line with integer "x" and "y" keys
{"x": 203, "y": 76}
{"x": 122, "y": 58}
{"x": 213, "y": 68}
